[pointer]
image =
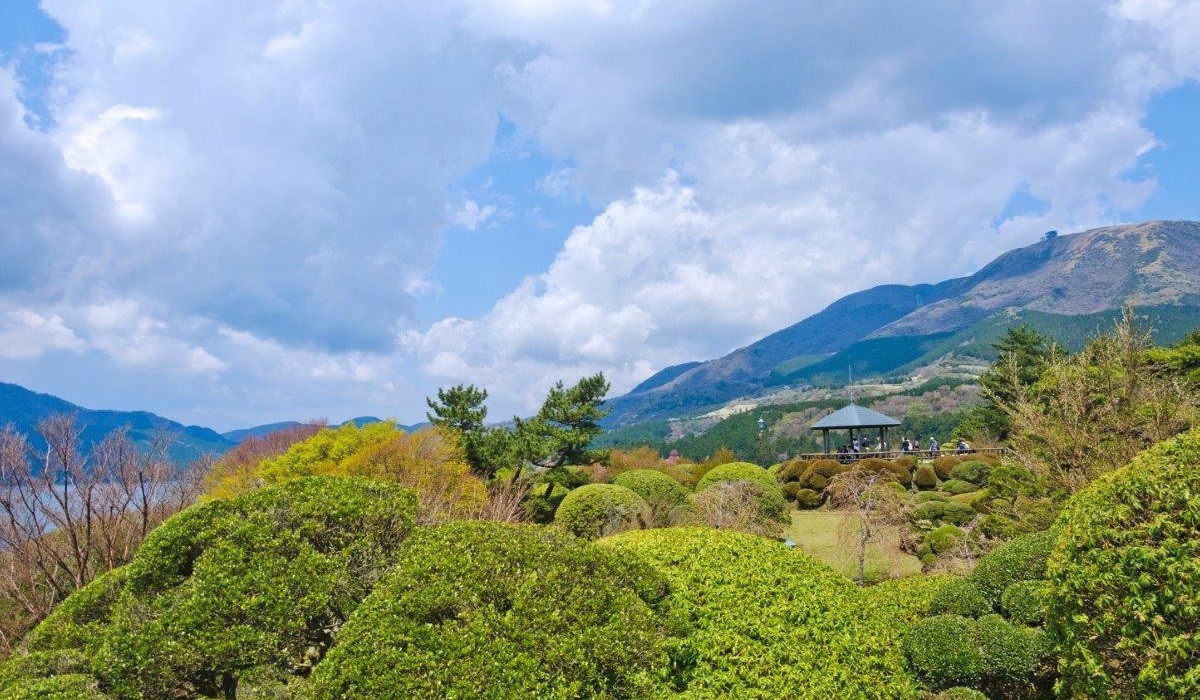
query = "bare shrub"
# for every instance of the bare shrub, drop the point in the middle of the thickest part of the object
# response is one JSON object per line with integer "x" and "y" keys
{"x": 869, "y": 506}
{"x": 737, "y": 505}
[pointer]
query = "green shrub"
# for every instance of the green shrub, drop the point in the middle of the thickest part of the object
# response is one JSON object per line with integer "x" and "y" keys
{"x": 793, "y": 470}
{"x": 925, "y": 478}
{"x": 819, "y": 472}
{"x": 926, "y": 496}
{"x": 959, "y": 597}
{"x": 943, "y": 539}
{"x": 83, "y": 615}
{"x": 770, "y": 622}
{"x": 739, "y": 505}
{"x": 485, "y": 610}
{"x": 886, "y": 467}
{"x": 943, "y": 466}
{"x": 542, "y": 501}
{"x": 974, "y": 471}
{"x": 929, "y": 510}
{"x": 906, "y": 599}
{"x": 738, "y": 471}
{"x": 805, "y": 499}
{"x": 659, "y": 491}
{"x": 1022, "y": 559}
{"x": 957, "y": 513}
{"x": 960, "y": 693}
{"x": 909, "y": 463}
{"x": 1010, "y": 480}
{"x": 71, "y": 686}
{"x": 1025, "y": 602}
{"x": 1125, "y": 578}
{"x": 25, "y": 666}
{"x": 958, "y": 486}
{"x": 229, "y": 586}
{"x": 944, "y": 652}
{"x": 1015, "y": 657}
{"x": 597, "y": 510}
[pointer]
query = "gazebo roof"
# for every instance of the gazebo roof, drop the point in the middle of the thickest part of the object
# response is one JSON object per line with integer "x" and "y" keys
{"x": 855, "y": 416}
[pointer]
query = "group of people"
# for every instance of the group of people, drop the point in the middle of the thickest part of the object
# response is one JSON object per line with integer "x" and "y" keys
{"x": 907, "y": 446}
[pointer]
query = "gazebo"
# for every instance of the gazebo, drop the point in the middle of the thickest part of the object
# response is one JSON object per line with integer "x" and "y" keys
{"x": 852, "y": 418}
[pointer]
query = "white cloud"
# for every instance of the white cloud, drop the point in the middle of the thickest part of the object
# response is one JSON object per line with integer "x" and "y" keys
{"x": 257, "y": 194}
{"x": 26, "y": 334}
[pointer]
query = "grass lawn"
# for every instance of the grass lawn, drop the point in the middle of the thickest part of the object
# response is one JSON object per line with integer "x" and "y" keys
{"x": 816, "y": 532}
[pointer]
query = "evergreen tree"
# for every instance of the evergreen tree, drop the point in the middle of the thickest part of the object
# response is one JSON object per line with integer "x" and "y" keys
{"x": 462, "y": 408}
{"x": 1021, "y": 359}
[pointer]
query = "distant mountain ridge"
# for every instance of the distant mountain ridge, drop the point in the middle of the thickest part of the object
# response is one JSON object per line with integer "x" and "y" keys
{"x": 23, "y": 409}
{"x": 1153, "y": 264}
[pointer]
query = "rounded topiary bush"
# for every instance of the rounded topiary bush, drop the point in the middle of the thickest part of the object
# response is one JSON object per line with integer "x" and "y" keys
{"x": 738, "y": 471}
{"x": 819, "y": 472}
{"x": 1014, "y": 657}
{"x": 944, "y": 538}
{"x": 1025, "y": 602}
{"x": 81, "y": 616}
{"x": 925, "y": 478}
{"x": 1124, "y": 580}
{"x": 792, "y": 471}
{"x": 228, "y": 586}
{"x": 943, "y": 466}
{"x": 944, "y": 651}
{"x": 958, "y": 486}
{"x": 974, "y": 471}
{"x": 805, "y": 499}
{"x": 596, "y": 510}
{"x": 769, "y": 622}
{"x": 886, "y": 467}
{"x": 486, "y": 610}
{"x": 926, "y": 496}
{"x": 1021, "y": 559}
{"x": 957, "y": 513}
{"x": 929, "y": 510}
{"x": 659, "y": 491}
{"x": 959, "y": 597}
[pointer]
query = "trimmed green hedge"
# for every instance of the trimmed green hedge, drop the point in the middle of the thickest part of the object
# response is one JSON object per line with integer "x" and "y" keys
{"x": 228, "y": 586}
{"x": 770, "y": 622}
{"x": 1021, "y": 559}
{"x": 485, "y": 610}
{"x": 973, "y": 471}
{"x": 738, "y": 471}
{"x": 960, "y": 597}
{"x": 659, "y": 491}
{"x": 1124, "y": 598}
{"x": 596, "y": 510}
{"x": 959, "y": 487}
{"x": 925, "y": 478}
{"x": 1025, "y": 602}
{"x": 944, "y": 651}
{"x": 65, "y": 687}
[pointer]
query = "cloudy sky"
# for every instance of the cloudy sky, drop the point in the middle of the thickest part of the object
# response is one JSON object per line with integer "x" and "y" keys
{"x": 234, "y": 212}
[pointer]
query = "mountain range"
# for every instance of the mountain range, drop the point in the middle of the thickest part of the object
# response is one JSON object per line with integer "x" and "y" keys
{"x": 23, "y": 409}
{"x": 1069, "y": 286}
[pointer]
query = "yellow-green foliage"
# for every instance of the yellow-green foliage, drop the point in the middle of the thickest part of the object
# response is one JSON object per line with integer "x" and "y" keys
{"x": 318, "y": 455}
{"x": 71, "y": 686}
{"x": 659, "y": 491}
{"x": 738, "y": 471}
{"x": 770, "y": 622}
{"x": 596, "y": 510}
{"x": 907, "y": 599}
{"x": 324, "y": 452}
{"x": 483, "y": 610}
{"x": 960, "y": 597}
{"x": 1125, "y": 578}
{"x": 1021, "y": 559}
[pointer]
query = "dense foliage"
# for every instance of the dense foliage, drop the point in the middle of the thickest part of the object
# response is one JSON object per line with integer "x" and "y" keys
{"x": 659, "y": 491}
{"x": 228, "y": 587}
{"x": 738, "y": 471}
{"x": 771, "y": 622}
{"x": 596, "y": 510}
{"x": 483, "y": 610}
{"x": 1124, "y": 597}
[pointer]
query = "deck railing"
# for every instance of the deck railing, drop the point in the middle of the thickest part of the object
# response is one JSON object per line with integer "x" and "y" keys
{"x": 893, "y": 454}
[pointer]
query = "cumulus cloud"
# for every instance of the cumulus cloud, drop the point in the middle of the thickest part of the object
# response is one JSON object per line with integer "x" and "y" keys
{"x": 255, "y": 194}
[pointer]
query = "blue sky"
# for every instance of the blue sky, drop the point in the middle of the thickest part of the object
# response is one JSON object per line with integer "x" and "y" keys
{"x": 239, "y": 212}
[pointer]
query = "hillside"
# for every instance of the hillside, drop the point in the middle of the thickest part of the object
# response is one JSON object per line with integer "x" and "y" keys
{"x": 1153, "y": 265}
{"x": 23, "y": 408}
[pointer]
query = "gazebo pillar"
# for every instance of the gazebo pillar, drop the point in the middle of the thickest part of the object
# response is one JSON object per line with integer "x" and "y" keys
{"x": 825, "y": 439}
